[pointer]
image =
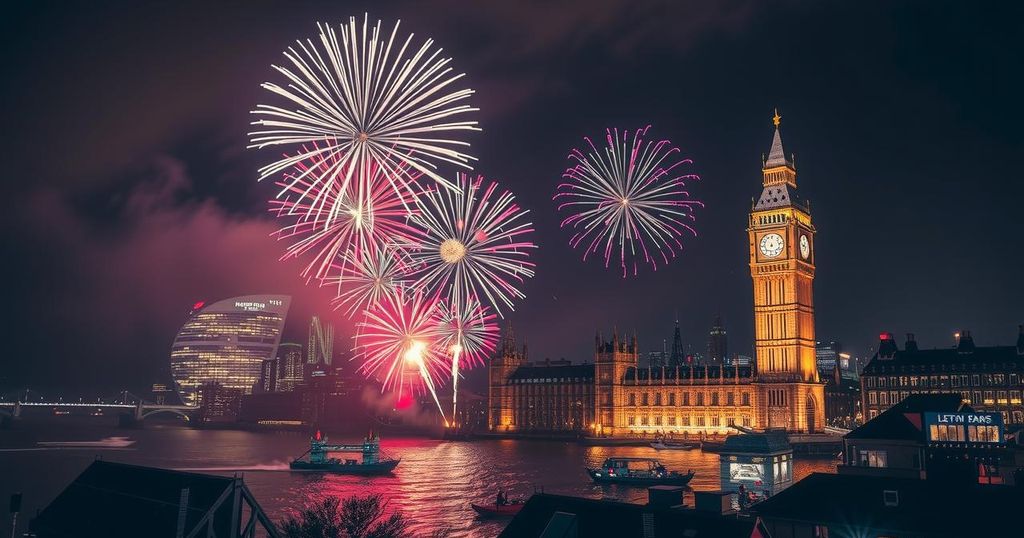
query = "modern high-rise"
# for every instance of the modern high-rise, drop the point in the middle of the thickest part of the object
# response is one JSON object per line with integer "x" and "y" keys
{"x": 678, "y": 355}
{"x": 718, "y": 349}
{"x": 291, "y": 370}
{"x": 226, "y": 342}
{"x": 321, "y": 342}
{"x": 826, "y": 355}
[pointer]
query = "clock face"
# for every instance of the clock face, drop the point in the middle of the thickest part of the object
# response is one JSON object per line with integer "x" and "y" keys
{"x": 805, "y": 247}
{"x": 771, "y": 245}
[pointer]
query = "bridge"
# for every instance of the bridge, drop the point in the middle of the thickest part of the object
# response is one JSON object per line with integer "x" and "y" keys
{"x": 140, "y": 408}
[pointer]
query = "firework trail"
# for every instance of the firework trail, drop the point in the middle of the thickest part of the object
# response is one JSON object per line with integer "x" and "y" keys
{"x": 397, "y": 344}
{"x": 474, "y": 243}
{"x": 358, "y": 98}
{"x": 367, "y": 221}
{"x": 469, "y": 332}
{"x": 627, "y": 197}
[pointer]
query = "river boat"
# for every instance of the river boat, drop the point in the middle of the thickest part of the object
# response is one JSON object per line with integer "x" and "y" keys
{"x": 320, "y": 459}
{"x": 669, "y": 445}
{"x": 498, "y": 510}
{"x": 106, "y": 442}
{"x": 638, "y": 472}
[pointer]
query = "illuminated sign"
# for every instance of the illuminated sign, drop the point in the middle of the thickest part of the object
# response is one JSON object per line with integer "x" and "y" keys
{"x": 250, "y": 305}
{"x": 964, "y": 427}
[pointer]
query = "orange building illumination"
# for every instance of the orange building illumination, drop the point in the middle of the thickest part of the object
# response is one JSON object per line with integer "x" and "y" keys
{"x": 782, "y": 268}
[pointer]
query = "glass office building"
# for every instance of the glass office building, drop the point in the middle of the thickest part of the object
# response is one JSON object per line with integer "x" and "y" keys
{"x": 226, "y": 342}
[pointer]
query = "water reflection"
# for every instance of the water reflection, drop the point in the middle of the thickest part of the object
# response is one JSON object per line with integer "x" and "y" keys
{"x": 433, "y": 486}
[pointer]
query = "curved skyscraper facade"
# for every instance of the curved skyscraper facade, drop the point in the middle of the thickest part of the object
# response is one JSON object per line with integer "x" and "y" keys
{"x": 226, "y": 342}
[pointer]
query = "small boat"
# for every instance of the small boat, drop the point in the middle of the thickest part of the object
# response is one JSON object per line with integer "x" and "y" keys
{"x": 319, "y": 460}
{"x": 662, "y": 445}
{"x": 638, "y": 472}
{"x": 106, "y": 442}
{"x": 498, "y": 510}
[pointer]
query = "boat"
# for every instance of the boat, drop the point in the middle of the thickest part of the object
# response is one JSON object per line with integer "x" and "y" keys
{"x": 498, "y": 510}
{"x": 106, "y": 442}
{"x": 638, "y": 472}
{"x": 319, "y": 457}
{"x": 662, "y": 445}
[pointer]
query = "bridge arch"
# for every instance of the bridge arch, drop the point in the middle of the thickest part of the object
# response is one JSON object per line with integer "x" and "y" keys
{"x": 147, "y": 414}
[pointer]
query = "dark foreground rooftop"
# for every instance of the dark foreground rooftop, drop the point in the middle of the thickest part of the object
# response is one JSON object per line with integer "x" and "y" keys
{"x": 854, "y": 505}
{"x": 118, "y": 500}
{"x": 563, "y": 516}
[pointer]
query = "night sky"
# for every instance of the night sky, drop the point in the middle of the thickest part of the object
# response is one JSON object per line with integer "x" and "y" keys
{"x": 131, "y": 196}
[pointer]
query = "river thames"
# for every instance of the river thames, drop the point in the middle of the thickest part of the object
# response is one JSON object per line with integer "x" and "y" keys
{"x": 433, "y": 486}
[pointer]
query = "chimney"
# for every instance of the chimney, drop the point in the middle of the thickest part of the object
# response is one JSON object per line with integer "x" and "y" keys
{"x": 1020, "y": 340}
{"x": 911, "y": 343}
{"x": 965, "y": 344}
{"x": 886, "y": 346}
{"x": 716, "y": 502}
{"x": 664, "y": 496}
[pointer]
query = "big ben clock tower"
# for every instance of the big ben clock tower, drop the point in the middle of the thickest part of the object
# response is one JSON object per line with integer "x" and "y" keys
{"x": 781, "y": 235}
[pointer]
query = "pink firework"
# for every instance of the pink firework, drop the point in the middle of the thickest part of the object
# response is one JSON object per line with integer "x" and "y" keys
{"x": 342, "y": 225}
{"x": 468, "y": 333}
{"x": 397, "y": 343}
{"x": 628, "y": 200}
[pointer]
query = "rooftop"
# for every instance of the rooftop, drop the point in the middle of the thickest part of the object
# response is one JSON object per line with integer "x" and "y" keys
{"x": 903, "y": 420}
{"x": 854, "y": 504}
{"x": 114, "y": 499}
{"x": 613, "y": 518}
{"x": 555, "y": 370}
{"x": 757, "y": 443}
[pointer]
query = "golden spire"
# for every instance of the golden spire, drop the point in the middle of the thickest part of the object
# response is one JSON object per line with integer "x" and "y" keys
{"x": 776, "y": 119}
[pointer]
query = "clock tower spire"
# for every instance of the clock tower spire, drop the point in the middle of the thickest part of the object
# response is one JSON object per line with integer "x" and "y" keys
{"x": 782, "y": 268}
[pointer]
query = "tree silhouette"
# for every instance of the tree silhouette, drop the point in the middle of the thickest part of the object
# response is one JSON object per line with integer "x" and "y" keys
{"x": 354, "y": 517}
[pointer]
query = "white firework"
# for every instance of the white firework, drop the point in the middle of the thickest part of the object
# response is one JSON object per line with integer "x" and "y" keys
{"x": 364, "y": 99}
{"x": 473, "y": 244}
{"x": 369, "y": 276}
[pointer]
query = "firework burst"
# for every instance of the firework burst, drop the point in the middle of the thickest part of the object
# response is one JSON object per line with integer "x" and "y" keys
{"x": 397, "y": 344}
{"x": 469, "y": 333}
{"x": 365, "y": 222}
{"x": 628, "y": 199}
{"x": 364, "y": 99}
{"x": 474, "y": 243}
{"x": 364, "y": 280}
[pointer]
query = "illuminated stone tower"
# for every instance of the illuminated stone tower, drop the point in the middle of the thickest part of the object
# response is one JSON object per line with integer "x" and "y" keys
{"x": 782, "y": 268}
{"x": 500, "y": 412}
{"x": 611, "y": 360}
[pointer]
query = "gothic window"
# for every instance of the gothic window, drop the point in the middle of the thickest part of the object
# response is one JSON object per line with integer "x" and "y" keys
{"x": 700, "y": 421}
{"x": 746, "y": 398}
{"x": 657, "y": 398}
{"x": 686, "y": 398}
{"x": 632, "y": 398}
{"x": 746, "y": 420}
{"x": 714, "y": 398}
{"x": 672, "y": 398}
{"x": 657, "y": 420}
{"x": 631, "y": 420}
{"x": 700, "y": 398}
{"x": 730, "y": 398}
{"x": 645, "y": 399}
{"x": 715, "y": 420}
{"x": 643, "y": 420}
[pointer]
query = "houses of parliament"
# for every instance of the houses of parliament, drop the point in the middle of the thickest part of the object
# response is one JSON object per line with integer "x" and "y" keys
{"x": 615, "y": 396}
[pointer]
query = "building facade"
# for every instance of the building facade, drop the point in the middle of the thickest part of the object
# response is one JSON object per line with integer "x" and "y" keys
{"x": 291, "y": 368}
{"x": 694, "y": 397}
{"x": 549, "y": 396}
{"x": 989, "y": 379}
{"x": 226, "y": 342}
{"x": 718, "y": 344}
{"x": 321, "y": 342}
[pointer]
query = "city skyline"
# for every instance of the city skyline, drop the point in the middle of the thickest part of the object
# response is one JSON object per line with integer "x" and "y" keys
{"x": 187, "y": 169}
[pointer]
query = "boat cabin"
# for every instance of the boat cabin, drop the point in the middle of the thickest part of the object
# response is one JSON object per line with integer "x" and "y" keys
{"x": 633, "y": 466}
